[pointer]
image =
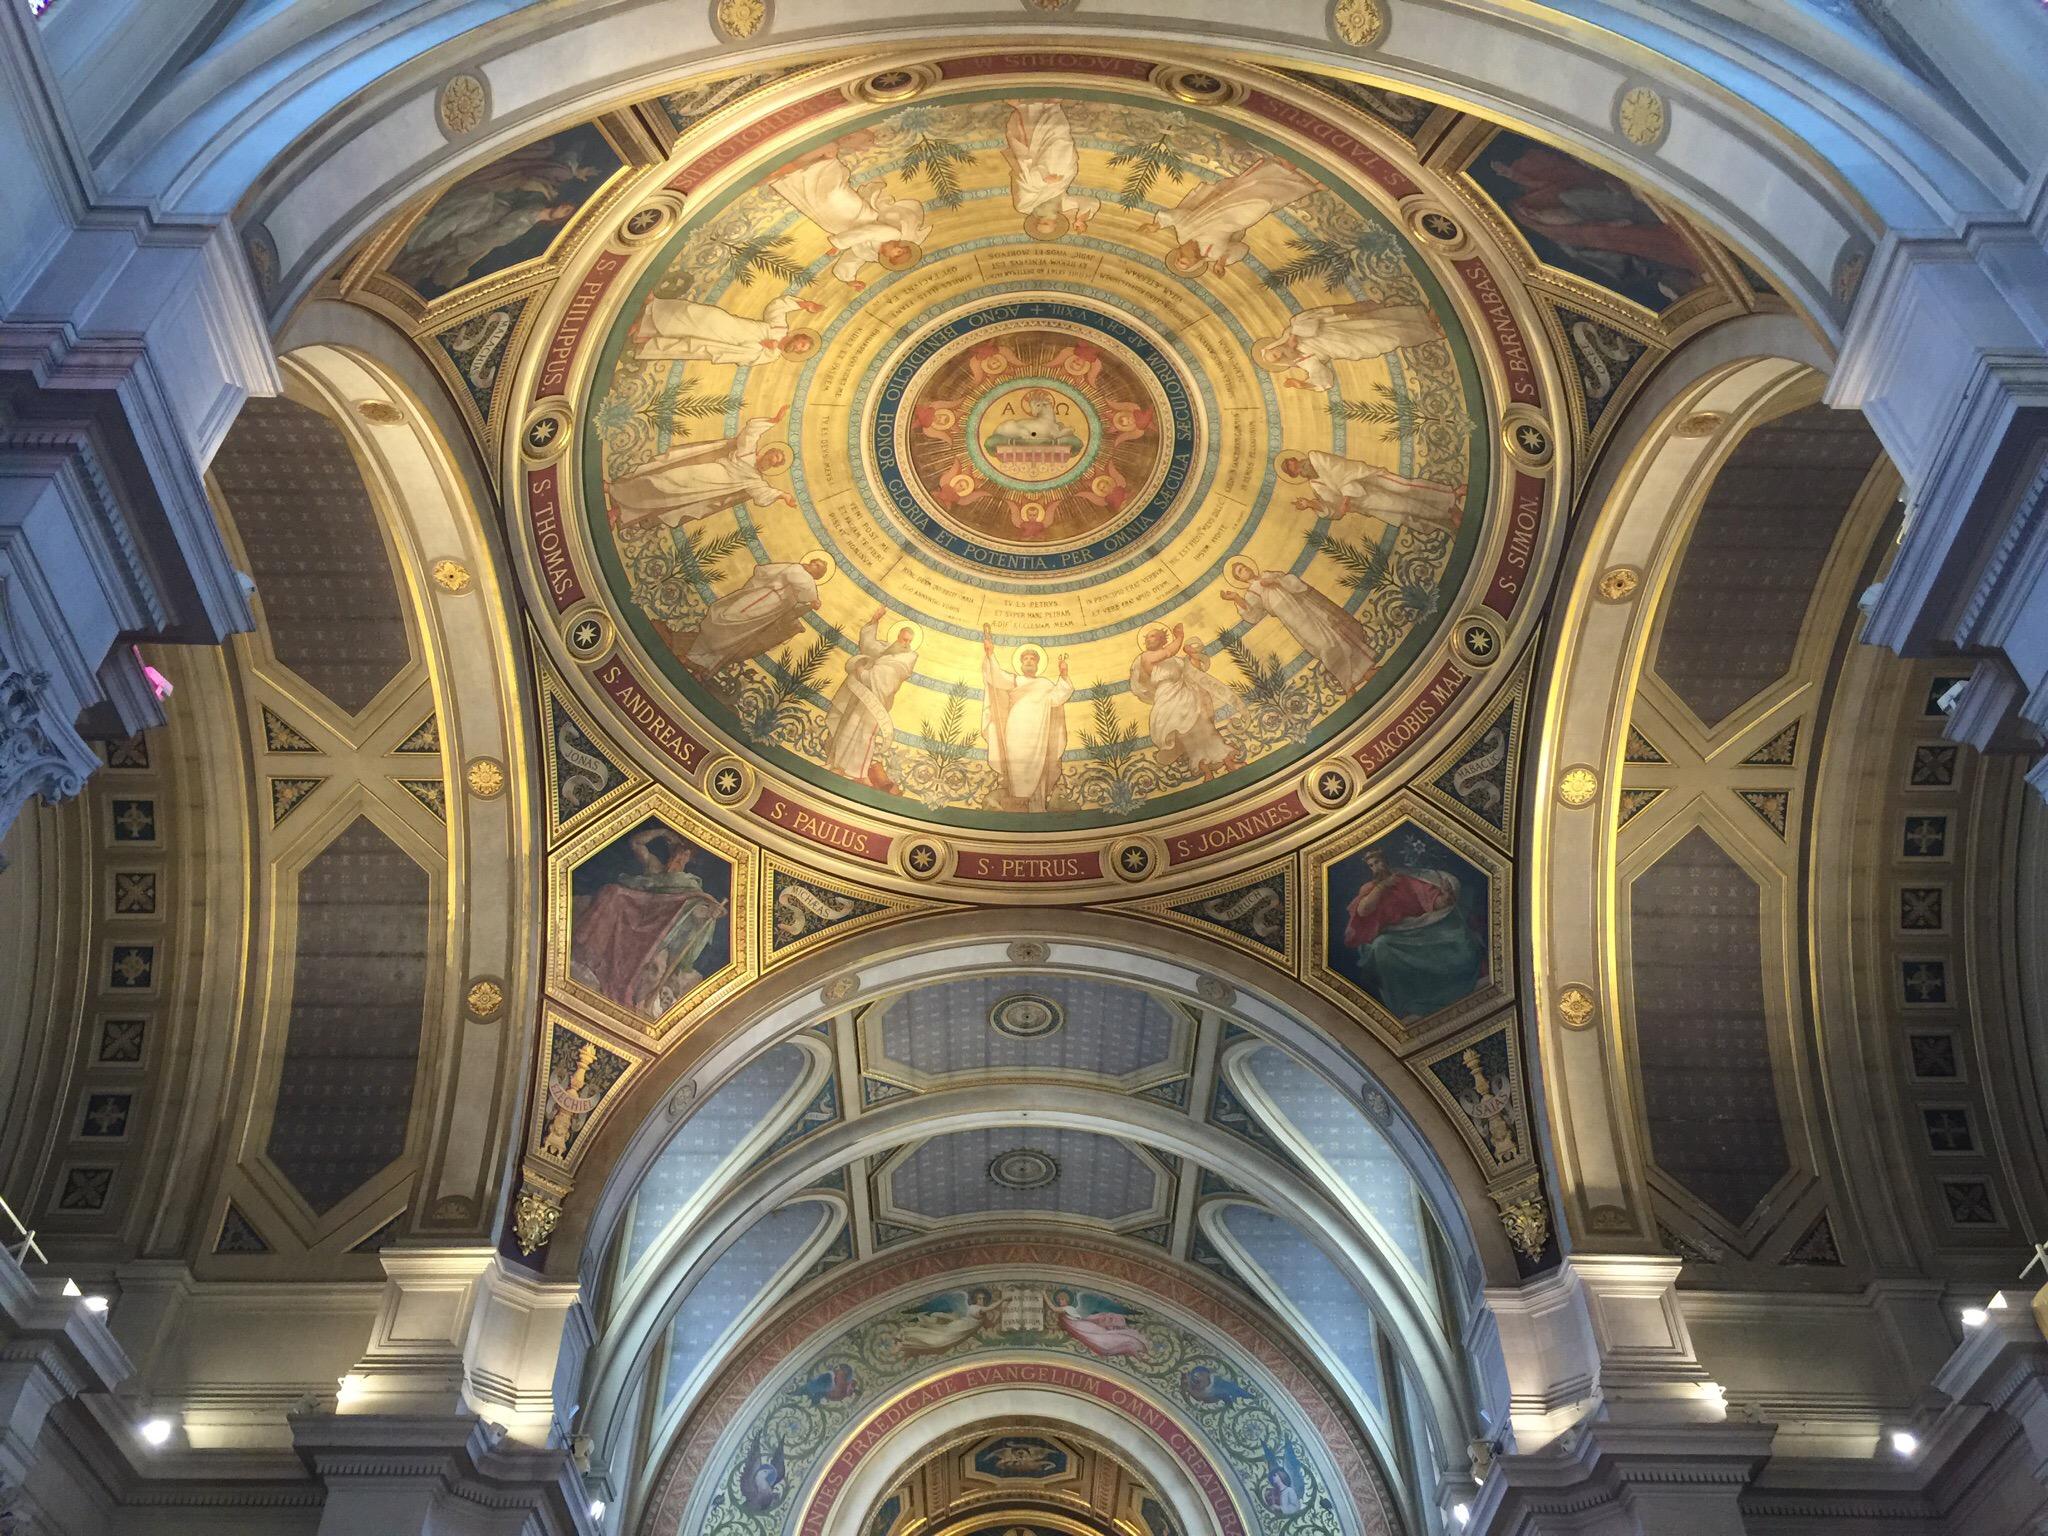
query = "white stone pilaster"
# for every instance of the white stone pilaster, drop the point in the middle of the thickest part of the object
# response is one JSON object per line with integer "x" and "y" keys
{"x": 1947, "y": 354}
{"x": 1618, "y": 1430}
{"x": 51, "y": 1350}
{"x": 127, "y": 344}
{"x": 437, "y": 1475}
{"x": 463, "y": 1330}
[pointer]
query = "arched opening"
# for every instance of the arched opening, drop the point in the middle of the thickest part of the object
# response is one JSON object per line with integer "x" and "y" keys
{"x": 1088, "y": 1093}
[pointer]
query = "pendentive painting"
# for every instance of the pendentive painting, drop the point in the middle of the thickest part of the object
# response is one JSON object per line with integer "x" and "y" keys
{"x": 1586, "y": 222}
{"x": 1407, "y": 922}
{"x": 506, "y": 213}
{"x": 650, "y": 919}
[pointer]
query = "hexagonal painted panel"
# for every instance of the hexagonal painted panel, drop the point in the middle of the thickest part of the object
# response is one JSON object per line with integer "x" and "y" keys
{"x": 1010, "y": 1026}
{"x": 1411, "y": 919}
{"x": 352, "y": 1041}
{"x": 999, "y": 1170}
{"x": 1702, "y": 1032}
{"x": 651, "y": 915}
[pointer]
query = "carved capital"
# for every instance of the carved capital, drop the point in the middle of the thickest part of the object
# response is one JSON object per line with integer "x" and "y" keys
{"x": 1526, "y": 1216}
{"x": 534, "y": 1219}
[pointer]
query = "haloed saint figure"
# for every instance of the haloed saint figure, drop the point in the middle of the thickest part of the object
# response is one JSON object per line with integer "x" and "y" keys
{"x": 1412, "y": 925}
{"x": 650, "y": 919}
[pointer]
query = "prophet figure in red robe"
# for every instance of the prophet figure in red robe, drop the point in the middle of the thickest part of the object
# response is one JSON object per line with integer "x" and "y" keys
{"x": 639, "y": 938}
{"x": 1417, "y": 951}
{"x": 1599, "y": 223}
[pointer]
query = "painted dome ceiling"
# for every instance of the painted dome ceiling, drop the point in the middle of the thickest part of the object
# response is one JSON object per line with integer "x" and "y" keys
{"x": 1030, "y": 471}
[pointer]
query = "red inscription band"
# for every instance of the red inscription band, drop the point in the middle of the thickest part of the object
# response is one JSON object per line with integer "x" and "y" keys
{"x": 1525, "y": 523}
{"x": 815, "y": 827}
{"x": 1011, "y": 1373}
{"x": 733, "y": 146}
{"x": 1506, "y": 333}
{"x": 554, "y": 368}
{"x": 1335, "y": 139}
{"x": 653, "y": 721}
{"x": 1044, "y": 63}
{"x": 544, "y": 512}
{"x": 991, "y": 868}
{"x": 1412, "y": 724}
{"x": 1245, "y": 827}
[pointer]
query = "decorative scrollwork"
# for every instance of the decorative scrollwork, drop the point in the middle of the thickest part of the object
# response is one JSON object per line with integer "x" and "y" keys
{"x": 1526, "y": 1216}
{"x": 534, "y": 1219}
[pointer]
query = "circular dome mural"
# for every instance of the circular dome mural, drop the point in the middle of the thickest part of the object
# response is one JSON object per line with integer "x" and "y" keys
{"x": 1038, "y": 455}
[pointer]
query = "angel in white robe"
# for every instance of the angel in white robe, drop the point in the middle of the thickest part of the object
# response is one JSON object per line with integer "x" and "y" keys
{"x": 756, "y": 616}
{"x": 863, "y": 224}
{"x": 1039, "y": 148}
{"x": 1024, "y": 721}
{"x": 860, "y": 712}
{"x": 698, "y": 480}
{"x": 685, "y": 331}
{"x": 1341, "y": 487}
{"x": 1173, "y": 677}
{"x": 1210, "y": 223}
{"x": 1333, "y": 637}
{"x": 1344, "y": 333}
{"x": 945, "y": 1322}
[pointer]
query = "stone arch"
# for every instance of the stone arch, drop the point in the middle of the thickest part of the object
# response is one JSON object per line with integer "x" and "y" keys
{"x": 446, "y": 555}
{"x": 1187, "y": 1306}
{"x": 1407, "y": 1312}
{"x": 1644, "y": 500}
{"x": 1644, "y": 509}
{"x": 1462, "y": 1399}
{"x": 1073, "y": 1418}
{"x": 265, "y": 117}
{"x": 1175, "y": 1465}
{"x": 796, "y": 996}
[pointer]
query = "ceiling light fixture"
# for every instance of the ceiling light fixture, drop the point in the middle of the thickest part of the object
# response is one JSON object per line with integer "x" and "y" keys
{"x": 1462, "y": 1513}
{"x": 1904, "y": 1442}
{"x": 155, "y": 1431}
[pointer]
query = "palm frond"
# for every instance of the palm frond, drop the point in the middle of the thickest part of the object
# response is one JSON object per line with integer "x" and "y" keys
{"x": 1402, "y": 415}
{"x": 807, "y": 667}
{"x": 1419, "y": 598}
{"x": 949, "y": 738}
{"x": 672, "y": 403}
{"x": 705, "y": 555}
{"x": 938, "y": 161}
{"x": 762, "y": 254}
{"x": 790, "y": 680}
{"x": 1330, "y": 260}
{"x": 1364, "y": 569}
{"x": 1112, "y": 739}
{"x": 1147, "y": 163}
{"x": 1265, "y": 681}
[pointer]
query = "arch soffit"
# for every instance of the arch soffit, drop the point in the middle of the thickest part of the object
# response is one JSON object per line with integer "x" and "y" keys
{"x": 1643, "y": 497}
{"x": 899, "y": 1451}
{"x": 1398, "y": 1296}
{"x": 348, "y": 133}
{"x": 426, "y": 494}
{"x": 1272, "y": 1289}
{"x": 1067, "y": 1413}
{"x": 1185, "y": 1300}
{"x": 1199, "y": 974}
